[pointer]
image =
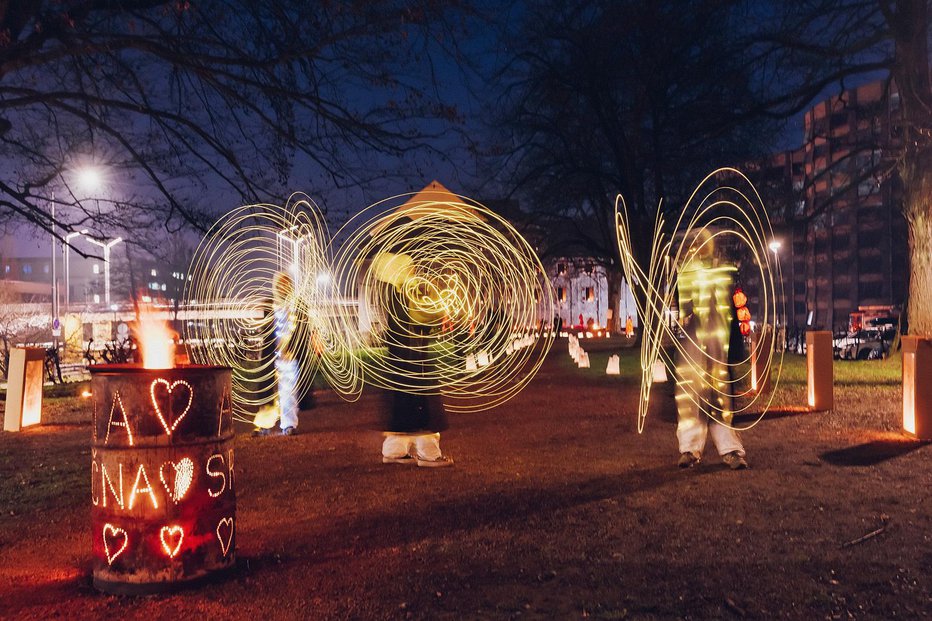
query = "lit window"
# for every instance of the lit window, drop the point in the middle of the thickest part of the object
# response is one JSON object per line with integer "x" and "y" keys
{"x": 589, "y": 294}
{"x": 45, "y": 268}
{"x": 561, "y": 268}
{"x": 163, "y": 286}
{"x": 146, "y": 299}
{"x": 27, "y": 268}
{"x": 154, "y": 273}
{"x": 6, "y": 269}
{"x": 96, "y": 298}
{"x": 561, "y": 294}
{"x": 97, "y": 268}
{"x": 154, "y": 286}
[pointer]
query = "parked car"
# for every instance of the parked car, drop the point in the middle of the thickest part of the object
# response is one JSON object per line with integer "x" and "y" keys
{"x": 869, "y": 344}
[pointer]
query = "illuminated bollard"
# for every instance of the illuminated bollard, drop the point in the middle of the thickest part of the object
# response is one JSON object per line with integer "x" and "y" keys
{"x": 24, "y": 389}
{"x": 917, "y": 386}
{"x": 819, "y": 370}
{"x": 761, "y": 349}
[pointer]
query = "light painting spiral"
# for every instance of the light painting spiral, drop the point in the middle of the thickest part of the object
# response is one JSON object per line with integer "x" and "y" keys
{"x": 426, "y": 297}
{"x": 230, "y": 296}
{"x": 453, "y": 295}
{"x": 724, "y": 210}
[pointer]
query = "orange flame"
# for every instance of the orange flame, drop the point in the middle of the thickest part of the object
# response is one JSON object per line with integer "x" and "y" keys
{"x": 156, "y": 341}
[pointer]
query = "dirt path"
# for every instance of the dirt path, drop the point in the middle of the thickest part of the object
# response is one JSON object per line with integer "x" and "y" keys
{"x": 556, "y": 508}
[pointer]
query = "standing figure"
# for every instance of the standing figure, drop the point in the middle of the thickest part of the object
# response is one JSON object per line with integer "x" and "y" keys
{"x": 629, "y": 327}
{"x": 281, "y": 345}
{"x": 286, "y": 363}
{"x": 416, "y": 416}
{"x": 702, "y": 388}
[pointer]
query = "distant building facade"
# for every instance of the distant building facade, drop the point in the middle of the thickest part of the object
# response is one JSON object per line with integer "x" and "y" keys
{"x": 580, "y": 288}
{"x": 82, "y": 280}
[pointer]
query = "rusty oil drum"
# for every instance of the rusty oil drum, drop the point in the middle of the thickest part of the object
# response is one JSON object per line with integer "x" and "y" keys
{"x": 162, "y": 489}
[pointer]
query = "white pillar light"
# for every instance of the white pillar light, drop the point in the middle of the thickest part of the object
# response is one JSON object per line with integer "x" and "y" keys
{"x": 106, "y": 246}
{"x": 67, "y": 263}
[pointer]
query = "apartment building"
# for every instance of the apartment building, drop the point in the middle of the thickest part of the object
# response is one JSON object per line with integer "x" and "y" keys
{"x": 835, "y": 203}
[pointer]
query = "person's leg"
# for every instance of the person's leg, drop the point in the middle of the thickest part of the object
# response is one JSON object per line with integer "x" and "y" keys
{"x": 428, "y": 451}
{"x": 691, "y": 426}
{"x": 397, "y": 449}
{"x": 729, "y": 446}
{"x": 287, "y": 382}
{"x": 725, "y": 439}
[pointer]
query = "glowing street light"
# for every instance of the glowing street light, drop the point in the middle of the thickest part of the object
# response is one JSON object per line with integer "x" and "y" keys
{"x": 89, "y": 179}
{"x": 775, "y": 245}
{"x": 287, "y": 237}
{"x": 67, "y": 262}
{"x": 106, "y": 246}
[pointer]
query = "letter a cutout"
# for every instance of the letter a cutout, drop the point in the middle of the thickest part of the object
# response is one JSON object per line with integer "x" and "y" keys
{"x": 118, "y": 403}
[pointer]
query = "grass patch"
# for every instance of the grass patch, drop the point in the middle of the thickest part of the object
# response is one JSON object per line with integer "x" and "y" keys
{"x": 848, "y": 372}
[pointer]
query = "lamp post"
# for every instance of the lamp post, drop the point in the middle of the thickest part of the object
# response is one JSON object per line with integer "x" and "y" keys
{"x": 106, "y": 246}
{"x": 66, "y": 260}
{"x": 286, "y": 236}
{"x": 775, "y": 245}
{"x": 54, "y": 280}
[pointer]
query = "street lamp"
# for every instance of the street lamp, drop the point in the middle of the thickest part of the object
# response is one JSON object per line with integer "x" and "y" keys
{"x": 775, "y": 245}
{"x": 106, "y": 246}
{"x": 67, "y": 262}
{"x": 89, "y": 179}
{"x": 286, "y": 236}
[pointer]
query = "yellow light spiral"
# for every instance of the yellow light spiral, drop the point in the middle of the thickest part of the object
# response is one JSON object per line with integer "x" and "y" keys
{"x": 717, "y": 211}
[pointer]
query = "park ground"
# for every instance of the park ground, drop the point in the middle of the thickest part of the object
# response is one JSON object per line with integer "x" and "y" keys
{"x": 556, "y": 509}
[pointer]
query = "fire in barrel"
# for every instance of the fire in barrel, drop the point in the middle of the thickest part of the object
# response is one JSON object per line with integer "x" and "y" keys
{"x": 162, "y": 485}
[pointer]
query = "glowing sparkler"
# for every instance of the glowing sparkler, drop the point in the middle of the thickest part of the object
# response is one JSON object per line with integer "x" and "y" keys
{"x": 465, "y": 280}
{"x": 231, "y": 279}
{"x": 446, "y": 279}
{"x": 714, "y": 213}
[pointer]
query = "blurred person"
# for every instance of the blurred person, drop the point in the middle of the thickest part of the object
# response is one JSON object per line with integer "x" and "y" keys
{"x": 281, "y": 345}
{"x": 415, "y": 417}
{"x": 704, "y": 288}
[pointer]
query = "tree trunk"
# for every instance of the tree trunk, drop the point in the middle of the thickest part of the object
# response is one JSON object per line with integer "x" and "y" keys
{"x": 918, "y": 210}
{"x": 615, "y": 278}
{"x": 909, "y": 24}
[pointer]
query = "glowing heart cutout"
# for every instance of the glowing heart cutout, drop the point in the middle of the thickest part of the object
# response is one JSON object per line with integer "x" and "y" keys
{"x": 181, "y": 473}
{"x": 225, "y": 534}
{"x": 171, "y": 537}
{"x": 171, "y": 422}
{"x": 113, "y": 532}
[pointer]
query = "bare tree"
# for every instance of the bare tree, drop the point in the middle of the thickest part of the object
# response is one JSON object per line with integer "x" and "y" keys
{"x": 637, "y": 98}
{"x": 191, "y": 102}
{"x": 812, "y": 46}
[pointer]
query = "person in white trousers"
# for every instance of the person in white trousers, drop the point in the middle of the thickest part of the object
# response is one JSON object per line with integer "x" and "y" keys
{"x": 415, "y": 416}
{"x": 703, "y": 387}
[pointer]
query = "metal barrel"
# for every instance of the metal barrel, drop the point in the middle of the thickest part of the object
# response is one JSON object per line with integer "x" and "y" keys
{"x": 162, "y": 486}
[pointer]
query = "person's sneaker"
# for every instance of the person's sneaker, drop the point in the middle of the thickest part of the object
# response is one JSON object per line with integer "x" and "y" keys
{"x": 441, "y": 462}
{"x": 261, "y": 432}
{"x": 289, "y": 431}
{"x": 404, "y": 460}
{"x": 688, "y": 460}
{"x": 735, "y": 461}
